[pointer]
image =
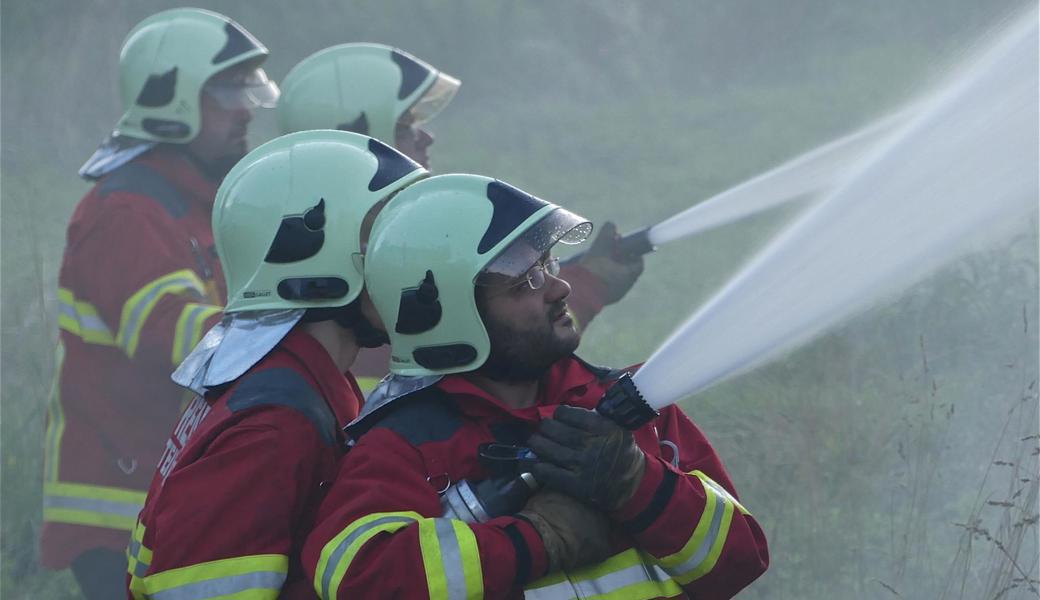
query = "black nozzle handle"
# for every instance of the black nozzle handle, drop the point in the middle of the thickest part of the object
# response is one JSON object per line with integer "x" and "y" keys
{"x": 630, "y": 246}
{"x": 634, "y": 244}
{"x": 624, "y": 405}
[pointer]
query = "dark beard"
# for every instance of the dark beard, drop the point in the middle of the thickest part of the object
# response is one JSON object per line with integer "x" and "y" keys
{"x": 217, "y": 169}
{"x": 518, "y": 357}
{"x": 214, "y": 170}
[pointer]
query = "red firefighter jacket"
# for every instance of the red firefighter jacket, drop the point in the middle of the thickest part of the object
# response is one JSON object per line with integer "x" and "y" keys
{"x": 240, "y": 481}
{"x": 586, "y": 300}
{"x": 139, "y": 285}
{"x": 683, "y": 534}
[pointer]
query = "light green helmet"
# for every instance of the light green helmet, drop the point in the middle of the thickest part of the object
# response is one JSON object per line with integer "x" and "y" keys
{"x": 287, "y": 219}
{"x": 427, "y": 248}
{"x": 366, "y": 88}
{"x": 165, "y": 61}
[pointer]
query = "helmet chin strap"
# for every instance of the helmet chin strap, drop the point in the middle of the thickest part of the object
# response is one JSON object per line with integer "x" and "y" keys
{"x": 350, "y": 317}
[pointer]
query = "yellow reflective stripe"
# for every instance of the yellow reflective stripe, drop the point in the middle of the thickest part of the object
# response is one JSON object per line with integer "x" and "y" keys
{"x": 473, "y": 574}
{"x": 339, "y": 552}
{"x": 137, "y": 309}
{"x": 700, "y": 553}
{"x": 55, "y": 420}
{"x": 188, "y": 330}
{"x": 139, "y": 558}
{"x": 82, "y": 320}
{"x": 628, "y": 575}
{"x": 93, "y": 505}
{"x": 436, "y": 582}
{"x": 719, "y": 490}
{"x": 367, "y": 384}
{"x": 258, "y": 576}
{"x": 451, "y": 559}
{"x": 449, "y": 549}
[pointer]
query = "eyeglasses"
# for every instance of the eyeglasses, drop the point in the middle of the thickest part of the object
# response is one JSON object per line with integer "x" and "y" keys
{"x": 243, "y": 89}
{"x": 535, "y": 276}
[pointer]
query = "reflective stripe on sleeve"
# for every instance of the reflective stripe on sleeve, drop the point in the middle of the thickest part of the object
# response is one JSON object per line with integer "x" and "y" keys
{"x": 138, "y": 559}
{"x": 449, "y": 550}
{"x": 137, "y": 309}
{"x": 451, "y": 559}
{"x": 55, "y": 420}
{"x": 258, "y": 576}
{"x": 339, "y": 552}
{"x": 700, "y": 553}
{"x": 629, "y": 575}
{"x": 189, "y": 328}
{"x": 94, "y": 505}
{"x": 82, "y": 320}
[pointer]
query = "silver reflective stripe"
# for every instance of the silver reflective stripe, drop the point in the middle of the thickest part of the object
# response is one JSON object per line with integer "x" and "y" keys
{"x": 223, "y": 586}
{"x": 189, "y": 326}
{"x": 557, "y": 591}
{"x": 709, "y": 540}
{"x": 68, "y": 310}
{"x": 337, "y": 554}
{"x": 141, "y": 569}
{"x": 86, "y": 321}
{"x": 94, "y": 323}
{"x": 132, "y": 324}
{"x": 615, "y": 581}
{"x": 612, "y": 582}
{"x": 451, "y": 558}
{"x": 110, "y": 507}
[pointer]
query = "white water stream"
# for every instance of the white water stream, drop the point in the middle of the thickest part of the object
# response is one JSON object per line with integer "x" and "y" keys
{"x": 958, "y": 172}
{"x": 814, "y": 171}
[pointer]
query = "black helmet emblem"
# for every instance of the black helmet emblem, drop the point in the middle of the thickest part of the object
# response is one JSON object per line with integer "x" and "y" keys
{"x": 299, "y": 237}
{"x": 358, "y": 125}
{"x": 158, "y": 90}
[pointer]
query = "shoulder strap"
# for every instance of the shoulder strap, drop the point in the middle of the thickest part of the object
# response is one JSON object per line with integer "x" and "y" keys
{"x": 426, "y": 415}
{"x": 138, "y": 178}
{"x": 285, "y": 387}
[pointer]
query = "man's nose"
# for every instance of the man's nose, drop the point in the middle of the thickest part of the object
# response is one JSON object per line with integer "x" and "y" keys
{"x": 556, "y": 289}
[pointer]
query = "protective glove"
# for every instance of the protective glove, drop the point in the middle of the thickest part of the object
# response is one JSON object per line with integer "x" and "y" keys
{"x": 617, "y": 271}
{"x": 574, "y": 534}
{"x": 587, "y": 456}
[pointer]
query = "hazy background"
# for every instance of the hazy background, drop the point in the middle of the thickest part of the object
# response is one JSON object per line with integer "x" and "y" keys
{"x": 894, "y": 458}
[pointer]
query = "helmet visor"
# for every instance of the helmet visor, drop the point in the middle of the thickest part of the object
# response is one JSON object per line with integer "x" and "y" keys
{"x": 433, "y": 101}
{"x": 560, "y": 226}
{"x": 252, "y": 90}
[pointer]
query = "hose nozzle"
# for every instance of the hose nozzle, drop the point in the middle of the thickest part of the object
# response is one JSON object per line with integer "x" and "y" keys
{"x": 624, "y": 405}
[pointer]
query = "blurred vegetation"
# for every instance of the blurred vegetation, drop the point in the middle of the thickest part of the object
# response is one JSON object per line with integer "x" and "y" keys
{"x": 895, "y": 457}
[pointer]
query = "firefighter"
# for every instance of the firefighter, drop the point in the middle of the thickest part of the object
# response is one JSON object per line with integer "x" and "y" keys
{"x": 391, "y": 95}
{"x": 139, "y": 282}
{"x": 242, "y": 473}
{"x": 461, "y": 271}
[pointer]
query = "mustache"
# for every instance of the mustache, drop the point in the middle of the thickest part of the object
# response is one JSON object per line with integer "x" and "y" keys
{"x": 558, "y": 308}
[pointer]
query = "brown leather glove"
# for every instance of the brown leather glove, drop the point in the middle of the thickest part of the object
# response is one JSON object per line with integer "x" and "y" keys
{"x": 618, "y": 273}
{"x": 574, "y": 534}
{"x": 587, "y": 456}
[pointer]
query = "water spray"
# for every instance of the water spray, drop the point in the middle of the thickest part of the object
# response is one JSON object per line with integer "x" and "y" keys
{"x": 810, "y": 173}
{"x": 960, "y": 171}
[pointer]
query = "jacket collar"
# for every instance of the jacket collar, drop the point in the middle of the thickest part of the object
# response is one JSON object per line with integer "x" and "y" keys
{"x": 339, "y": 389}
{"x": 176, "y": 167}
{"x": 569, "y": 381}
